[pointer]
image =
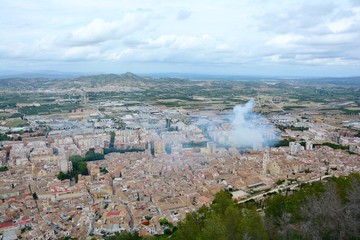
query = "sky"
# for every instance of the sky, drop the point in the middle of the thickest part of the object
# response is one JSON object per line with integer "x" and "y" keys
{"x": 228, "y": 37}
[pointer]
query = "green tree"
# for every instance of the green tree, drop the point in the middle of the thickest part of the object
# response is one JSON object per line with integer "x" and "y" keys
{"x": 79, "y": 167}
{"x": 320, "y": 211}
{"x": 214, "y": 228}
{"x": 112, "y": 139}
{"x": 224, "y": 219}
{"x": 4, "y": 137}
{"x": 3, "y": 169}
{"x": 163, "y": 221}
{"x": 193, "y": 225}
{"x": 35, "y": 196}
{"x": 167, "y": 231}
{"x": 62, "y": 176}
{"x": 223, "y": 199}
{"x": 125, "y": 236}
{"x": 93, "y": 156}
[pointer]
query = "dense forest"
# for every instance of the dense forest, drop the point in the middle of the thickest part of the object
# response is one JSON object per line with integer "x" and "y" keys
{"x": 329, "y": 210}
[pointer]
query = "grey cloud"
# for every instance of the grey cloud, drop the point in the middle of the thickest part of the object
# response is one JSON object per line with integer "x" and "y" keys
{"x": 99, "y": 31}
{"x": 183, "y": 15}
{"x": 133, "y": 42}
{"x": 355, "y": 3}
{"x": 331, "y": 39}
{"x": 298, "y": 18}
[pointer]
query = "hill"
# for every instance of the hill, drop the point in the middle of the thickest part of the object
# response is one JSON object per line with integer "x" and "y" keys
{"x": 329, "y": 210}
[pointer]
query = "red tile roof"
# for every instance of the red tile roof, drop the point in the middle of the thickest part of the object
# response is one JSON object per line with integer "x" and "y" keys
{"x": 113, "y": 214}
{"x": 6, "y": 224}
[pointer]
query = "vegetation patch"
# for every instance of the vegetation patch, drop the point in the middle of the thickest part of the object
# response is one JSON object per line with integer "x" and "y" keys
{"x": 17, "y": 123}
{"x": 4, "y": 169}
{"x": 333, "y": 146}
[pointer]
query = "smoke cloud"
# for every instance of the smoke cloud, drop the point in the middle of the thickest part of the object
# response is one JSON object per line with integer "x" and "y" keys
{"x": 245, "y": 129}
{"x": 250, "y": 129}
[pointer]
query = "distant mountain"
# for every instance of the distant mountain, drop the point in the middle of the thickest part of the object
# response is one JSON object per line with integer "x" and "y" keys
{"x": 42, "y": 78}
{"x": 107, "y": 78}
{"x": 217, "y": 77}
{"x": 132, "y": 76}
{"x": 37, "y": 81}
{"x": 344, "y": 81}
{"x": 39, "y": 74}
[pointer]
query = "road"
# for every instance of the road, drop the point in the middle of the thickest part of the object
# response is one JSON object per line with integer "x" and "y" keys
{"x": 53, "y": 226}
{"x": 91, "y": 225}
{"x": 292, "y": 187}
{"x": 131, "y": 218}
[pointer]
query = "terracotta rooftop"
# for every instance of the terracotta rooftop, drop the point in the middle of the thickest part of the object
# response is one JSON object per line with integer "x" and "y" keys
{"x": 112, "y": 214}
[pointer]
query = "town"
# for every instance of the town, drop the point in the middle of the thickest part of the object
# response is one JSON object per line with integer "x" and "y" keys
{"x": 96, "y": 160}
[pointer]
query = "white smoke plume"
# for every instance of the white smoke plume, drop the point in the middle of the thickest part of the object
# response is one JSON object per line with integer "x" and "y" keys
{"x": 250, "y": 129}
{"x": 247, "y": 129}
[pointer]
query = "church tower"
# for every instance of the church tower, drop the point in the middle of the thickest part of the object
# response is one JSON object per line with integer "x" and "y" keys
{"x": 266, "y": 160}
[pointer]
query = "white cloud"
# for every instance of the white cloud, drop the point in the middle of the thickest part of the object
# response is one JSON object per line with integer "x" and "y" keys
{"x": 223, "y": 47}
{"x": 273, "y": 58}
{"x": 99, "y": 30}
{"x": 346, "y": 24}
{"x": 82, "y": 53}
{"x": 328, "y": 61}
{"x": 340, "y": 25}
{"x": 177, "y": 42}
{"x": 283, "y": 40}
{"x": 225, "y": 34}
{"x": 330, "y": 41}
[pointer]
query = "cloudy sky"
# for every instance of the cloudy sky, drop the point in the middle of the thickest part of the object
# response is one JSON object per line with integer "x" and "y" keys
{"x": 235, "y": 37}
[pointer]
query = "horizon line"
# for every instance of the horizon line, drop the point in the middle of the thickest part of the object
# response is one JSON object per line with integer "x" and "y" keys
{"x": 35, "y": 73}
